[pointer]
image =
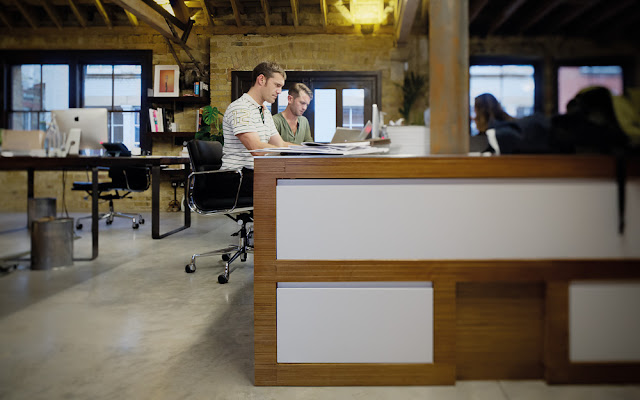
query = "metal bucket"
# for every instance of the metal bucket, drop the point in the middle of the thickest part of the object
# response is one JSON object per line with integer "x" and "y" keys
{"x": 40, "y": 207}
{"x": 51, "y": 243}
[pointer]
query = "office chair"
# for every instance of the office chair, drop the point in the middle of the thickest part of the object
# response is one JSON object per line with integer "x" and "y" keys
{"x": 212, "y": 190}
{"x": 124, "y": 181}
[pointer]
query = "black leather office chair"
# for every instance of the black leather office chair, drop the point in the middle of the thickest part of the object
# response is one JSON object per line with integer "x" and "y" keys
{"x": 212, "y": 190}
{"x": 124, "y": 181}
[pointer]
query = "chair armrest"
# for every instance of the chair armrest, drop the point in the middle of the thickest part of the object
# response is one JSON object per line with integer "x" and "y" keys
{"x": 191, "y": 182}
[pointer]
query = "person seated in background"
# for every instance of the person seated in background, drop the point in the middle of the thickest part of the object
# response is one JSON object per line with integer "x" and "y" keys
{"x": 293, "y": 127}
{"x": 248, "y": 125}
{"x": 488, "y": 110}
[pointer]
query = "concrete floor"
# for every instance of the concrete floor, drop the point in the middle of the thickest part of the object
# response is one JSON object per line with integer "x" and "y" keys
{"x": 133, "y": 325}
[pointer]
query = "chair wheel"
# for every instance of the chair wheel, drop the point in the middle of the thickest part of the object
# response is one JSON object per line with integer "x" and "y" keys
{"x": 222, "y": 279}
{"x": 225, "y": 257}
{"x": 135, "y": 226}
{"x": 141, "y": 220}
{"x": 109, "y": 222}
{"x": 190, "y": 268}
{"x": 78, "y": 226}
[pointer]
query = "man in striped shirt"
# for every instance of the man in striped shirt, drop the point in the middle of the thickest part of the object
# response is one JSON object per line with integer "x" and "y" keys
{"x": 248, "y": 124}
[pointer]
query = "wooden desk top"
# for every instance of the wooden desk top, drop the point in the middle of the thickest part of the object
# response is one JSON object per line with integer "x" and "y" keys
{"x": 82, "y": 162}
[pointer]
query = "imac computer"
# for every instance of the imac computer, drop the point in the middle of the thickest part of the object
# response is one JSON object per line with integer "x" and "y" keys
{"x": 89, "y": 123}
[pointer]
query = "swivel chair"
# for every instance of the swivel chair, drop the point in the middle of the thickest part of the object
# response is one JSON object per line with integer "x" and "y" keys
{"x": 212, "y": 190}
{"x": 124, "y": 181}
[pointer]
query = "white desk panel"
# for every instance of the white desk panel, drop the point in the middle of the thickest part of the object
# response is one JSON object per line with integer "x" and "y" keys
{"x": 388, "y": 219}
{"x": 604, "y": 321}
{"x": 390, "y": 323}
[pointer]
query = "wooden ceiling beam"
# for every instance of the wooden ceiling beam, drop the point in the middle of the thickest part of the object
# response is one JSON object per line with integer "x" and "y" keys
{"x": 77, "y": 13}
{"x": 207, "y": 12}
{"x": 25, "y": 14}
{"x": 5, "y": 20}
{"x": 406, "y": 15}
{"x": 103, "y": 13}
{"x": 576, "y": 11}
{"x": 51, "y": 13}
{"x": 611, "y": 11}
{"x": 506, "y": 13}
{"x": 236, "y": 12}
{"x": 180, "y": 10}
{"x": 323, "y": 7}
{"x": 424, "y": 11}
{"x": 542, "y": 10}
{"x": 265, "y": 10}
{"x": 475, "y": 9}
{"x": 294, "y": 11}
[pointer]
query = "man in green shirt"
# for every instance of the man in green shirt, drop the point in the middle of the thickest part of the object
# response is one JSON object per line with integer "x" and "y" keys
{"x": 292, "y": 126}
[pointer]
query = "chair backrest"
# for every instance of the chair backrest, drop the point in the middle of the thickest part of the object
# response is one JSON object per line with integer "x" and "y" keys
{"x": 213, "y": 192}
{"x": 134, "y": 179}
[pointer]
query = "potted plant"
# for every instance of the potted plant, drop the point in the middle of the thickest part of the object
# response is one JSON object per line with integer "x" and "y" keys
{"x": 210, "y": 125}
{"x": 412, "y": 89}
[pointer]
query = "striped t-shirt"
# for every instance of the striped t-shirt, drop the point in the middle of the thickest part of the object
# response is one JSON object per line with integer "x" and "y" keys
{"x": 243, "y": 115}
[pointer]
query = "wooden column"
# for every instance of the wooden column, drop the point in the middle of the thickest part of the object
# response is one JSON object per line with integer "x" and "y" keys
{"x": 449, "y": 76}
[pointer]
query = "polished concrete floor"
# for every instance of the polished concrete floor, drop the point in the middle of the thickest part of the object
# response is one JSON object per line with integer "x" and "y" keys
{"x": 133, "y": 325}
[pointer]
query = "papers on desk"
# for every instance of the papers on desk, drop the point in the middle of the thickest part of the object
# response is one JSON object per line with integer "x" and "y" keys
{"x": 337, "y": 149}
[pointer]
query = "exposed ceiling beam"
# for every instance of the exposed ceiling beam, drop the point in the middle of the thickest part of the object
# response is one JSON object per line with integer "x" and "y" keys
{"x": 622, "y": 23}
{"x": 236, "y": 12}
{"x": 51, "y": 13}
{"x": 76, "y": 12}
{"x": 133, "y": 20}
{"x": 265, "y": 10}
{"x": 424, "y": 11}
{"x": 611, "y": 11}
{"x": 475, "y": 9}
{"x": 576, "y": 11}
{"x": 154, "y": 19}
{"x": 323, "y": 7}
{"x": 5, "y": 20}
{"x": 406, "y": 15}
{"x": 294, "y": 10}
{"x": 207, "y": 12}
{"x": 505, "y": 14}
{"x": 180, "y": 10}
{"x": 103, "y": 12}
{"x": 542, "y": 9}
{"x": 25, "y": 14}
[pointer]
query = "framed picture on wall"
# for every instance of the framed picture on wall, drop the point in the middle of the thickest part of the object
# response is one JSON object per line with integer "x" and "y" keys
{"x": 166, "y": 80}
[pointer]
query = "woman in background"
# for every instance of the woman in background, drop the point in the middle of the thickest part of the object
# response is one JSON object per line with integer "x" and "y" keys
{"x": 488, "y": 110}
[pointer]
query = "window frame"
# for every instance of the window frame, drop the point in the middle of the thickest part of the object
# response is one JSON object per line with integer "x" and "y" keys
{"x": 77, "y": 59}
{"x": 241, "y": 83}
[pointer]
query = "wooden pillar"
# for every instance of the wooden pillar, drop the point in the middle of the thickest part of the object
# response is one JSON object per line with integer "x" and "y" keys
{"x": 449, "y": 76}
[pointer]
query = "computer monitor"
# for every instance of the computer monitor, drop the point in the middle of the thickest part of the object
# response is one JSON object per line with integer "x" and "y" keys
{"x": 92, "y": 123}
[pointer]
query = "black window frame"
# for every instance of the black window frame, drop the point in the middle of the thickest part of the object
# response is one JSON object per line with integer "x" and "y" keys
{"x": 77, "y": 59}
{"x": 371, "y": 80}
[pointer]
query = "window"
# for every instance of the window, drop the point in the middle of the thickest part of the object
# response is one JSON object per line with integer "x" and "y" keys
{"x": 514, "y": 82}
{"x": 572, "y": 79}
{"x": 339, "y": 98}
{"x": 37, "y": 82}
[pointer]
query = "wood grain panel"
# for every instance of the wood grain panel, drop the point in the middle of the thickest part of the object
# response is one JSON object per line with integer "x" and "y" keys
{"x": 499, "y": 330}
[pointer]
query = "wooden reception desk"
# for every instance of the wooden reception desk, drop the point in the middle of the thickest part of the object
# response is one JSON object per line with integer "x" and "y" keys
{"x": 425, "y": 270}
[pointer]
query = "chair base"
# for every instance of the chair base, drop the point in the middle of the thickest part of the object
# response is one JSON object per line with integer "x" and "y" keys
{"x": 230, "y": 253}
{"x": 136, "y": 219}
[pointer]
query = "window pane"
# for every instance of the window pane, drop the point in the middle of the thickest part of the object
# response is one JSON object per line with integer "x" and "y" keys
{"x": 24, "y": 121}
{"x": 26, "y": 87}
{"x": 127, "y": 85}
{"x": 325, "y": 114}
{"x": 353, "y": 108}
{"x": 98, "y": 86}
{"x": 283, "y": 100}
{"x": 125, "y": 128}
{"x": 55, "y": 87}
{"x": 573, "y": 79}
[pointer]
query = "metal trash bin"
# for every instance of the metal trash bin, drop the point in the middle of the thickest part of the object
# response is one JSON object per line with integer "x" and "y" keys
{"x": 40, "y": 207}
{"x": 51, "y": 243}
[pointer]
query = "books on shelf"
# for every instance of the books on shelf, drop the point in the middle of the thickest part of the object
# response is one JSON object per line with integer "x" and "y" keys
{"x": 160, "y": 119}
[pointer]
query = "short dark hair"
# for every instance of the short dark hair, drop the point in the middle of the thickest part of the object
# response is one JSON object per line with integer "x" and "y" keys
{"x": 300, "y": 87}
{"x": 267, "y": 69}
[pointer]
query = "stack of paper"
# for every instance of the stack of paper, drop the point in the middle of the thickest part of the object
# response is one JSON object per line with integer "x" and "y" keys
{"x": 340, "y": 149}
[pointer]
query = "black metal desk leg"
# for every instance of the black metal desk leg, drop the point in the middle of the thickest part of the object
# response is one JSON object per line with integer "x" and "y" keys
{"x": 187, "y": 210}
{"x": 30, "y": 181}
{"x": 155, "y": 208}
{"x": 94, "y": 213}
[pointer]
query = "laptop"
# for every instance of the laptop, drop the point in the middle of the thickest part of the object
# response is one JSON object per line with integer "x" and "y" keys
{"x": 344, "y": 135}
{"x": 22, "y": 143}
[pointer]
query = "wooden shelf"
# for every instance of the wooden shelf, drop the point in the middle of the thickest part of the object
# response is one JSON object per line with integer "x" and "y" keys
{"x": 181, "y": 99}
{"x": 173, "y": 134}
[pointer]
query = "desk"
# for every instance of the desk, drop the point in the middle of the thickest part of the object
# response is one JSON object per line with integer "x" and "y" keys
{"x": 505, "y": 256}
{"x": 32, "y": 164}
